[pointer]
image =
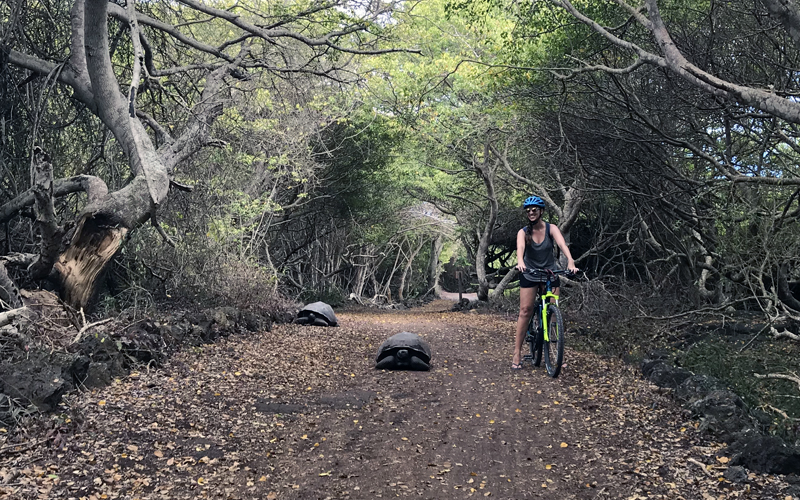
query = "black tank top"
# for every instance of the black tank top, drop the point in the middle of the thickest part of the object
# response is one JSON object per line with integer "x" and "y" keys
{"x": 539, "y": 256}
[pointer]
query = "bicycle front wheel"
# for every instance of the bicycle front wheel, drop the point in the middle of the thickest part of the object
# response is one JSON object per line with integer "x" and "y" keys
{"x": 554, "y": 346}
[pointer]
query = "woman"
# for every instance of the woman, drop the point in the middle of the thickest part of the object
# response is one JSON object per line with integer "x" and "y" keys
{"x": 535, "y": 244}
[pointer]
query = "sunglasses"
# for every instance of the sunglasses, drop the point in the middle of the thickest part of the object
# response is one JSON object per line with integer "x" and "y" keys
{"x": 533, "y": 209}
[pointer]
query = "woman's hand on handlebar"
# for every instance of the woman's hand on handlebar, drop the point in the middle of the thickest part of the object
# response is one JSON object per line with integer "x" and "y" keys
{"x": 571, "y": 267}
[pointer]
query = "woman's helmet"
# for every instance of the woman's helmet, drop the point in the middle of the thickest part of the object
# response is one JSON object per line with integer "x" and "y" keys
{"x": 533, "y": 201}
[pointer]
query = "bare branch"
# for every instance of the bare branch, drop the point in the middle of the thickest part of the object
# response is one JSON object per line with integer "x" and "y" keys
{"x": 769, "y": 181}
{"x": 87, "y": 327}
{"x": 781, "y": 376}
{"x": 181, "y": 187}
{"x": 270, "y": 34}
{"x": 120, "y": 13}
{"x": 10, "y": 316}
{"x": 784, "y": 334}
{"x": 162, "y": 134}
{"x": 540, "y": 189}
{"x": 138, "y": 56}
{"x": 93, "y": 186}
{"x": 161, "y": 232}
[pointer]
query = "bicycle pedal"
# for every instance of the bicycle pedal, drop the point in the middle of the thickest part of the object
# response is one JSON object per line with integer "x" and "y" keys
{"x": 527, "y": 357}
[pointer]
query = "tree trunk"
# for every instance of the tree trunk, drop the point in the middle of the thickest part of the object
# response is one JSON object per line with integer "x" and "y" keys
{"x": 406, "y": 269}
{"x": 487, "y": 174}
{"x": 9, "y": 293}
{"x": 501, "y": 287}
{"x": 784, "y": 292}
{"x": 433, "y": 264}
{"x": 49, "y": 231}
{"x": 108, "y": 218}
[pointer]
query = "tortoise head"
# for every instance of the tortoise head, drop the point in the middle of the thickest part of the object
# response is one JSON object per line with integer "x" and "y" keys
{"x": 402, "y": 355}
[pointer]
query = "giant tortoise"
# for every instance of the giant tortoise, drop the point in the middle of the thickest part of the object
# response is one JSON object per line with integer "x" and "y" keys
{"x": 317, "y": 314}
{"x": 404, "y": 351}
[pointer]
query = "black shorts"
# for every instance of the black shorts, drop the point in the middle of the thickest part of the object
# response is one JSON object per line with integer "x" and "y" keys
{"x": 526, "y": 283}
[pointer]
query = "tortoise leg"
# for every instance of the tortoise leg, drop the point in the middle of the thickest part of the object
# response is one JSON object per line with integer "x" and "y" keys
{"x": 386, "y": 363}
{"x": 301, "y": 321}
{"x": 320, "y": 322}
{"x": 417, "y": 364}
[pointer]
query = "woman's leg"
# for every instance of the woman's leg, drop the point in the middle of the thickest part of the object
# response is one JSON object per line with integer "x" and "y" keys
{"x": 527, "y": 303}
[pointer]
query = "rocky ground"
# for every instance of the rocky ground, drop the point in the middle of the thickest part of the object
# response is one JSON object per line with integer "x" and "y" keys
{"x": 300, "y": 413}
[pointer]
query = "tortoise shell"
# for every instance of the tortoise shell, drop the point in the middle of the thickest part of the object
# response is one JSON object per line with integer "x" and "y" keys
{"x": 317, "y": 314}
{"x": 404, "y": 350}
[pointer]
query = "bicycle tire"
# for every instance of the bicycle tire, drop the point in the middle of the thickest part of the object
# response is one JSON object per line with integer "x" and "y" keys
{"x": 535, "y": 334}
{"x": 554, "y": 347}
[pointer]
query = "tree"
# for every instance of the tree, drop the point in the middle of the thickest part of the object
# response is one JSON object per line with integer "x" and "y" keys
{"x": 688, "y": 110}
{"x": 190, "y": 52}
{"x": 454, "y": 126}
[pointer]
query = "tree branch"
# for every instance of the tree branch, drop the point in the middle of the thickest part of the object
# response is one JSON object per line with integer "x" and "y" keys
{"x": 781, "y": 376}
{"x": 93, "y": 186}
{"x": 9, "y": 316}
{"x": 138, "y": 56}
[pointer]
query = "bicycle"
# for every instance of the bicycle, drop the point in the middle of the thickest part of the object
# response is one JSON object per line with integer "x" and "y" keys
{"x": 545, "y": 333}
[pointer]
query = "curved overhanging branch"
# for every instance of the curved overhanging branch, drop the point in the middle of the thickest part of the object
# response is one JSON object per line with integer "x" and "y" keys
{"x": 675, "y": 61}
{"x": 120, "y": 13}
{"x": 74, "y": 73}
{"x": 82, "y": 89}
{"x": 273, "y": 33}
{"x": 760, "y": 99}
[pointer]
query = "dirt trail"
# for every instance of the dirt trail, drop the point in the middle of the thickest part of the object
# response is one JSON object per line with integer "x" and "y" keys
{"x": 300, "y": 413}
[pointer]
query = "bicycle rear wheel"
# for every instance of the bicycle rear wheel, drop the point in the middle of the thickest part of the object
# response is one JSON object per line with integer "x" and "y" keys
{"x": 554, "y": 347}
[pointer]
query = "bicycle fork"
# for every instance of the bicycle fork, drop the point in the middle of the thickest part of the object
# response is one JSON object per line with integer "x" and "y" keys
{"x": 543, "y": 309}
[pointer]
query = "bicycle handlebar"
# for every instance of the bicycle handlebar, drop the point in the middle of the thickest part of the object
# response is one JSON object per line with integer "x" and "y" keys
{"x": 565, "y": 272}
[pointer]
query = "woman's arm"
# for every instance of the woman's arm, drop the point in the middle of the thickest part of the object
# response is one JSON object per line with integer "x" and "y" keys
{"x": 521, "y": 250}
{"x": 558, "y": 238}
